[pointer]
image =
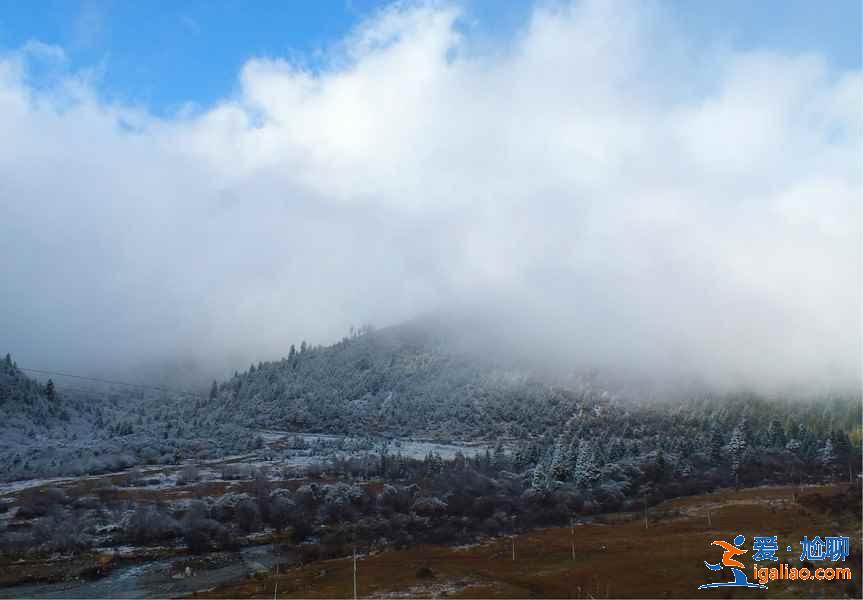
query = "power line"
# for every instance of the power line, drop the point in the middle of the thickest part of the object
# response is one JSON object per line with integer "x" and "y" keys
{"x": 113, "y": 382}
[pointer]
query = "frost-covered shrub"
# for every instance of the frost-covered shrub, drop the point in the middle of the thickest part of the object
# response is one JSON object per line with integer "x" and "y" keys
{"x": 342, "y": 493}
{"x": 281, "y": 493}
{"x": 63, "y": 533}
{"x": 282, "y": 510}
{"x": 308, "y": 497}
{"x": 429, "y": 506}
{"x": 224, "y": 509}
{"x": 234, "y": 471}
{"x": 340, "y": 501}
{"x": 149, "y": 524}
{"x": 247, "y": 515}
{"x": 200, "y": 533}
{"x": 134, "y": 478}
{"x": 396, "y": 499}
{"x": 188, "y": 474}
{"x": 40, "y": 502}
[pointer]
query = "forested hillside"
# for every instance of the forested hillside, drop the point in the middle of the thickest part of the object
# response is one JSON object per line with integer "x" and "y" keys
{"x": 404, "y": 381}
{"x": 407, "y": 381}
{"x": 396, "y": 382}
{"x": 47, "y": 431}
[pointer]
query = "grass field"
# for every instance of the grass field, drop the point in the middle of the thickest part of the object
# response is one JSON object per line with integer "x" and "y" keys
{"x": 619, "y": 558}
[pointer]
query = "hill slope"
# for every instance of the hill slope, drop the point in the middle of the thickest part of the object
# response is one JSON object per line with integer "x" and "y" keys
{"x": 399, "y": 381}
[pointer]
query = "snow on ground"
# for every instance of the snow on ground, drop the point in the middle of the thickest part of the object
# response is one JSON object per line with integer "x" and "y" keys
{"x": 211, "y": 469}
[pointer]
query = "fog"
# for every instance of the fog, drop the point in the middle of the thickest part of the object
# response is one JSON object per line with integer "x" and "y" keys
{"x": 609, "y": 190}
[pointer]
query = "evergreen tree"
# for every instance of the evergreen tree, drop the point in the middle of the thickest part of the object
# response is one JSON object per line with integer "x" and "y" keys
{"x": 50, "y": 393}
{"x": 736, "y": 450}
{"x": 842, "y": 449}
{"x": 827, "y": 456}
{"x": 499, "y": 457}
{"x": 585, "y": 472}
{"x": 214, "y": 390}
{"x": 776, "y": 434}
{"x": 661, "y": 465}
{"x": 716, "y": 444}
{"x": 558, "y": 470}
{"x": 540, "y": 479}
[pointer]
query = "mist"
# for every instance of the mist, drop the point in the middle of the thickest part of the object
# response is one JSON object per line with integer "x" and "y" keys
{"x": 607, "y": 190}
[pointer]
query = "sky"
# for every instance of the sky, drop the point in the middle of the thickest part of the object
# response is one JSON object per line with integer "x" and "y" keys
{"x": 671, "y": 187}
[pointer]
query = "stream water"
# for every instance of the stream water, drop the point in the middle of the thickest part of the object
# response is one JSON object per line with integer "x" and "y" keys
{"x": 152, "y": 579}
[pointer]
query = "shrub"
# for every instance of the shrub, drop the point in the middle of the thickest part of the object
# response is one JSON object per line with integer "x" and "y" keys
{"x": 40, "y": 502}
{"x": 281, "y": 509}
{"x": 235, "y": 471}
{"x": 188, "y": 474}
{"x": 429, "y": 506}
{"x": 301, "y": 529}
{"x": 247, "y": 515}
{"x": 310, "y": 553}
{"x": 149, "y": 524}
{"x": 63, "y": 533}
{"x": 202, "y": 534}
{"x": 425, "y": 573}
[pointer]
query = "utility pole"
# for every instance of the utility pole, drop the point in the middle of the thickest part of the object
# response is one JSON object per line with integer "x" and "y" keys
{"x": 513, "y": 537}
{"x": 355, "y": 573}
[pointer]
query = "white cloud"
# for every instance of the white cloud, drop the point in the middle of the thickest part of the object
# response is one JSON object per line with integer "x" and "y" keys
{"x": 587, "y": 173}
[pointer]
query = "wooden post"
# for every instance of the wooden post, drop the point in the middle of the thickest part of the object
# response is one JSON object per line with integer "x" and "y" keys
{"x": 355, "y": 573}
{"x": 513, "y": 537}
{"x": 709, "y": 522}
{"x": 276, "y": 591}
{"x": 572, "y": 535}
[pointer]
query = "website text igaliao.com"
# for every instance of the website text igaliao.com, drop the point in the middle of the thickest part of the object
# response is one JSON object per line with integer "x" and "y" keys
{"x": 785, "y": 571}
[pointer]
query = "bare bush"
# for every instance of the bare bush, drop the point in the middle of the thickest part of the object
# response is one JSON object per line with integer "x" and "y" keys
{"x": 41, "y": 502}
{"x": 188, "y": 474}
{"x": 247, "y": 515}
{"x": 202, "y": 535}
{"x": 281, "y": 510}
{"x": 429, "y": 506}
{"x": 234, "y": 471}
{"x": 149, "y": 524}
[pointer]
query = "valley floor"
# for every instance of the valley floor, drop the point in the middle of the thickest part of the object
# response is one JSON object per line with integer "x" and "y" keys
{"x": 614, "y": 557}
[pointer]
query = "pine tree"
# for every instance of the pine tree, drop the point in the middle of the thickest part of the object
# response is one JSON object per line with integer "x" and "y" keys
{"x": 827, "y": 456}
{"x": 50, "y": 393}
{"x": 214, "y": 390}
{"x": 499, "y": 456}
{"x": 540, "y": 479}
{"x": 661, "y": 465}
{"x": 585, "y": 471}
{"x": 842, "y": 449}
{"x": 716, "y": 444}
{"x": 776, "y": 434}
{"x": 736, "y": 450}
